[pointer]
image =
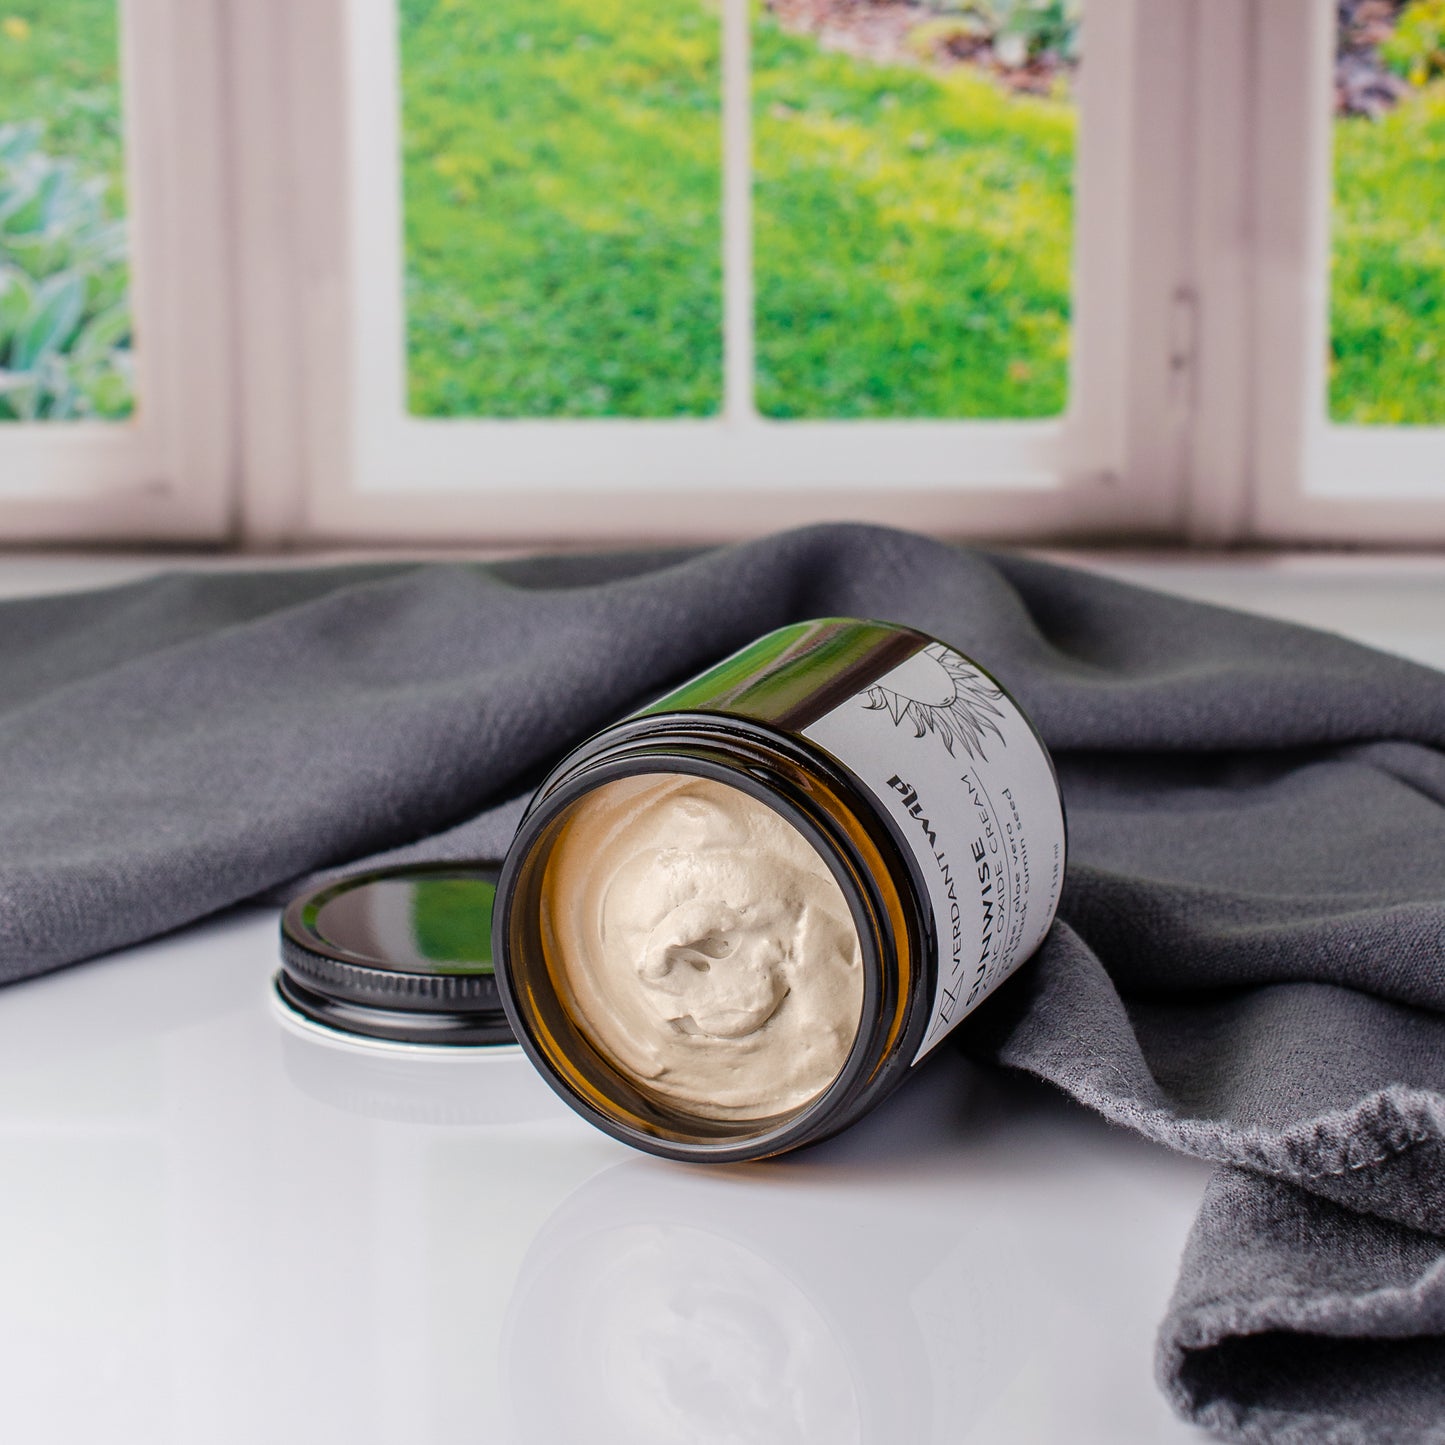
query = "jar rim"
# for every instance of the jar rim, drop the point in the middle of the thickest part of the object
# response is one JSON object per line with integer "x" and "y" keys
{"x": 639, "y": 750}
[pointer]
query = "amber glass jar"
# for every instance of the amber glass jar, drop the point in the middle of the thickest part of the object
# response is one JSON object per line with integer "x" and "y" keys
{"x": 900, "y": 771}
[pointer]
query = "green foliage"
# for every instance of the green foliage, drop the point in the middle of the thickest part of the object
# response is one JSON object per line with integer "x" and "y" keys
{"x": 1030, "y": 28}
{"x": 1416, "y": 48}
{"x": 562, "y": 174}
{"x": 563, "y": 228}
{"x": 950, "y": 35}
{"x": 59, "y": 64}
{"x": 1020, "y": 30}
{"x": 451, "y": 922}
{"x": 64, "y": 319}
{"x": 1387, "y": 360}
{"x": 913, "y": 238}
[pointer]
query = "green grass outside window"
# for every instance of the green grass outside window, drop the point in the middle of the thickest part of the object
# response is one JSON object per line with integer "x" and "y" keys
{"x": 561, "y": 176}
{"x": 1387, "y": 284}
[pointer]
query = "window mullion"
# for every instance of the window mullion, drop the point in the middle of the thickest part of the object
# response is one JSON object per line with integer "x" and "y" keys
{"x": 737, "y": 143}
{"x": 165, "y": 471}
{"x": 1218, "y": 363}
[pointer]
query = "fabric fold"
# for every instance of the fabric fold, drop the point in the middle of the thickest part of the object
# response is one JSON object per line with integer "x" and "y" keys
{"x": 1296, "y": 1320}
{"x": 1249, "y": 963}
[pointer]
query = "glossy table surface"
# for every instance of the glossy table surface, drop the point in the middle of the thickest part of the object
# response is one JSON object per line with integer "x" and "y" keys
{"x": 215, "y": 1227}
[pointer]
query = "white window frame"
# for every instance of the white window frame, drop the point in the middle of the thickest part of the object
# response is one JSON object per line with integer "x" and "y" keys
{"x": 265, "y": 209}
{"x": 347, "y": 465}
{"x": 166, "y": 471}
{"x": 1314, "y": 480}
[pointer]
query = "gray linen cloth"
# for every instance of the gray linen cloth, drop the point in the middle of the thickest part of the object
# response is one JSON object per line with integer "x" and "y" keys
{"x": 1249, "y": 962}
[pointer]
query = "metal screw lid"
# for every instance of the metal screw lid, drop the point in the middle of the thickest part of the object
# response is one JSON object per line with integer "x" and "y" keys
{"x": 401, "y": 955}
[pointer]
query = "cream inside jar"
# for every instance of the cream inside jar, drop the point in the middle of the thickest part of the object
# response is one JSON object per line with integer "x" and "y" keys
{"x": 708, "y": 950}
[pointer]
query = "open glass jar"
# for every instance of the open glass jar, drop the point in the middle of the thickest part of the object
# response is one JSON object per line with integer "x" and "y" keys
{"x": 731, "y": 923}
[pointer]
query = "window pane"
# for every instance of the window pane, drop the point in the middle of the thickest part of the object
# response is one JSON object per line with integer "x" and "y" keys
{"x": 1387, "y": 313}
{"x": 65, "y": 328}
{"x": 562, "y": 174}
{"x": 914, "y": 207}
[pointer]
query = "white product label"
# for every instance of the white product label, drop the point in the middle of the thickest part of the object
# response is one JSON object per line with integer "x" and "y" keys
{"x": 959, "y": 769}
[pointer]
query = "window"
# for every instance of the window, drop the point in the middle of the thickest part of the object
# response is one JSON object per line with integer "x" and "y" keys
{"x": 64, "y": 273}
{"x": 910, "y": 211}
{"x": 113, "y": 398}
{"x": 561, "y": 175}
{"x": 487, "y": 270}
{"x": 913, "y": 185}
{"x": 1350, "y": 441}
{"x": 672, "y": 275}
{"x": 1387, "y": 271}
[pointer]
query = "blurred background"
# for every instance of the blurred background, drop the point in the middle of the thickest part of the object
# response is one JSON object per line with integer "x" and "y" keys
{"x": 478, "y": 271}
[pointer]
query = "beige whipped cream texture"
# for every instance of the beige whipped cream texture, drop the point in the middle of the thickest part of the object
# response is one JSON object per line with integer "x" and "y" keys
{"x": 706, "y": 945}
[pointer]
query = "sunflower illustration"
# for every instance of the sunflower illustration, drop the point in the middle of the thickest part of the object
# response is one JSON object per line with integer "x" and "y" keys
{"x": 936, "y": 691}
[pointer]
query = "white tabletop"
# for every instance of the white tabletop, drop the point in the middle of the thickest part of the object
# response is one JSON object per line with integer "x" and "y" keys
{"x": 213, "y": 1228}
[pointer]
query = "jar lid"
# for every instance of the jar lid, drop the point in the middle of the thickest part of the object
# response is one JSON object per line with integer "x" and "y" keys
{"x": 397, "y": 955}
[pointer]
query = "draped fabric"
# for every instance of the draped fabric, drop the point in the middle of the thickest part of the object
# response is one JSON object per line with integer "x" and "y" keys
{"x": 1249, "y": 959}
